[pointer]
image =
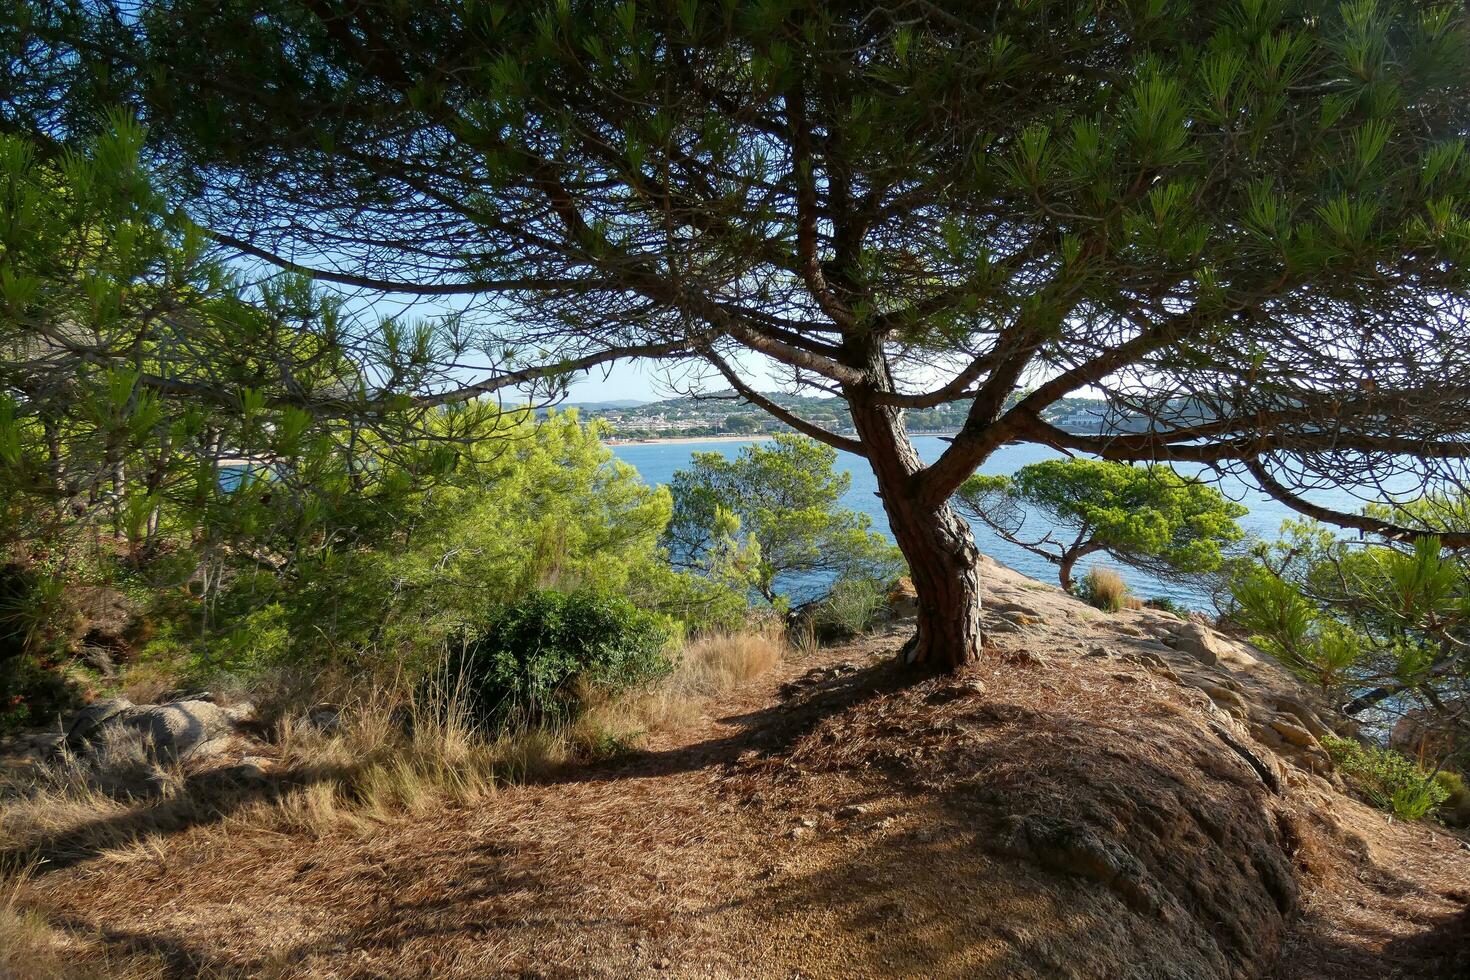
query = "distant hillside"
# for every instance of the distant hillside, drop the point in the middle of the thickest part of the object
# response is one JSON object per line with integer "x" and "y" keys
{"x": 723, "y": 414}
{"x": 615, "y": 404}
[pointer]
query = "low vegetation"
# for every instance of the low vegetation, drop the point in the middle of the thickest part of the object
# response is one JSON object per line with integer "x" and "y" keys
{"x": 1380, "y": 626}
{"x": 1389, "y": 780}
{"x": 386, "y": 752}
{"x": 1105, "y": 589}
{"x": 533, "y": 657}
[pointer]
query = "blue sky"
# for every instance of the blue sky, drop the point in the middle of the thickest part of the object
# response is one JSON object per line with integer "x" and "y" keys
{"x": 625, "y": 379}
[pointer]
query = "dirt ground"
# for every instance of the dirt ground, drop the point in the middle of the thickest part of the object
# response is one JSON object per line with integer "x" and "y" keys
{"x": 1046, "y": 813}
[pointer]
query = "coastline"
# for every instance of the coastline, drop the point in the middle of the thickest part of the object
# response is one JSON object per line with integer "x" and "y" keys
{"x": 728, "y": 438}
{"x": 686, "y": 439}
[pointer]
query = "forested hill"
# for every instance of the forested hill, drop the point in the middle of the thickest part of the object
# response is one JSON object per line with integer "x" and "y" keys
{"x": 723, "y": 414}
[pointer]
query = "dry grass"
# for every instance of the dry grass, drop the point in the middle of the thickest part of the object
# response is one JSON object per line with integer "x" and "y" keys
{"x": 31, "y": 947}
{"x": 396, "y": 751}
{"x": 726, "y": 852}
{"x": 708, "y": 668}
{"x": 1105, "y": 589}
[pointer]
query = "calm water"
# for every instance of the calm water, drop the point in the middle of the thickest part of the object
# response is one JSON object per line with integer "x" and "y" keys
{"x": 656, "y": 463}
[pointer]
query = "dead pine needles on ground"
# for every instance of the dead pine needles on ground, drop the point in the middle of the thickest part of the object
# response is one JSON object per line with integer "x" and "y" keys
{"x": 391, "y": 751}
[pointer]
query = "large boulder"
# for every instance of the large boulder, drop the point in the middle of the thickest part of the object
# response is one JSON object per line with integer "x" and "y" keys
{"x": 176, "y": 730}
{"x": 1201, "y": 642}
{"x": 182, "y": 729}
{"x": 87, "y": 725}
{"x": 903, "y": 599}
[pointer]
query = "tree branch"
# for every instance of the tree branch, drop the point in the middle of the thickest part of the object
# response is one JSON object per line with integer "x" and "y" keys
{"x": 470, "y": 288}
{"x": 1361, "y": 522}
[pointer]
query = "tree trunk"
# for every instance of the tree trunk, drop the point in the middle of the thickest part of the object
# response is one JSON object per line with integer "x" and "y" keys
{"x": 944, "y": 564}
{"x": 1064, "y": 573}
{"x": 1070, "y": 558}
{"x": 936, "y": 541}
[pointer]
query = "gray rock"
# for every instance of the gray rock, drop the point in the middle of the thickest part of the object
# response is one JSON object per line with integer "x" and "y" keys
{"x": 325, "y": 718}
{"x": 186, "y": 694}
{"x": 1200, "y": 642}
{"x": 241, "y": 712}
{"x": 183, "y": 728}
{"x": 86, "y": 725}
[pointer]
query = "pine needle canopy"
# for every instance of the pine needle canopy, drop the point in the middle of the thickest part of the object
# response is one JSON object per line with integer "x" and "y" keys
{"x": 1245, "y": 223}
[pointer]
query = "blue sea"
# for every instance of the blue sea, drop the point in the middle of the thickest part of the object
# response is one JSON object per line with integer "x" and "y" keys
{"x": 656, "y": 462}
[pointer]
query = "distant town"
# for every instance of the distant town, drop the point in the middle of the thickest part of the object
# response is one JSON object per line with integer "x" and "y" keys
{"x": 723, "y": 414}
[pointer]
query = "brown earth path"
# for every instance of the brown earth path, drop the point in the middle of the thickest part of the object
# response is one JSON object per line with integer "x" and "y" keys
{"x": 829, "y": 820}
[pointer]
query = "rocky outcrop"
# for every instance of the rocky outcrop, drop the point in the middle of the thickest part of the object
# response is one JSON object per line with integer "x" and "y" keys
{"x": 1242, "y": 687}
{"x": 903, "y": 599}
{"x": 1200, "y": 642}
{"x": 192, "y": 727}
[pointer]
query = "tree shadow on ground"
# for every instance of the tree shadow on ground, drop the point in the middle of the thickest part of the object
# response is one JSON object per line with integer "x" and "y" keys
{"x": 1066, "y": 838}
{"x": 942, "y": 890}
{"x": 771, "y": 730}
{"x": 203, "y": 799}
{"x": 1440, "y": 950}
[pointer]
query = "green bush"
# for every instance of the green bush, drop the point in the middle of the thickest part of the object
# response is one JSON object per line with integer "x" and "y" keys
{"x": 1165, "y": 604}
{"x": 1389, "y": 780}
{"x": 1455, "y": 810}
{"x": 33, "y": 693}
{"x": 850, "y": 609}
{"x": 525, "y": 664}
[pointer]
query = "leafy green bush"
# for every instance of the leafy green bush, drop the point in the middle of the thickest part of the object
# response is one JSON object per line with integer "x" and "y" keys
{"x": 32, "y": 694}
{"x": 35, "y": 622}
{"x": 1165, "y": 604}
{"x": 1455, "y": 810}
{"x": 530, "y": 662}
{"x": 1389, "y": 780}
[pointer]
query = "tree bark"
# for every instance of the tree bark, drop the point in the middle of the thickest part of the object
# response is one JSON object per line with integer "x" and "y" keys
{"x": 944, "y": 565}
{"x": 1069, "y": 561}
{"x": 1064, "y": 573}
{"x": 936, "y": 541}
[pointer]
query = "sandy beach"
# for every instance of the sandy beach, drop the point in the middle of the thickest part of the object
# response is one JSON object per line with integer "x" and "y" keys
{"x": 683, "y": 439}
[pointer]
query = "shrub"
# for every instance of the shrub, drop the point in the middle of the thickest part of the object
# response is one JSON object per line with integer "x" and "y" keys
{"x": 1455, "y": 810}
{"x": 851, "y": 608}
{"x": 1387, "y": 779}
{"x": 32, "y": 694}
{"x": 526, "y": 663}
{"x": 1165, "y": 604}
{"x": 1104, "y": 588}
